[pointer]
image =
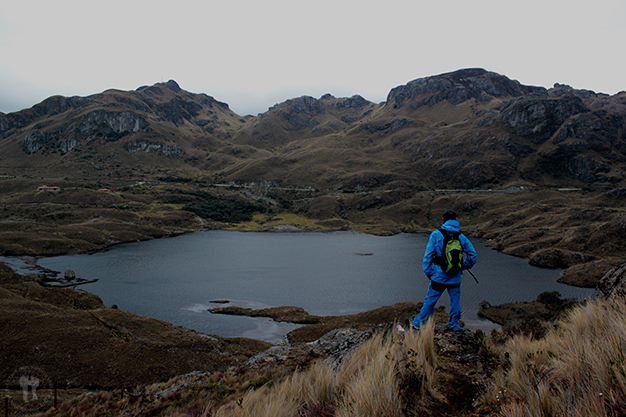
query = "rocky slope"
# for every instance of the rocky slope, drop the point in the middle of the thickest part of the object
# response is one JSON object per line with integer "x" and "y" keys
{"x": 465, "y": 129}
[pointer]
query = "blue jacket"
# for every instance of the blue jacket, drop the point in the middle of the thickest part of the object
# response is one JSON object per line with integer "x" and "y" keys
{"x": 435, "y": 248}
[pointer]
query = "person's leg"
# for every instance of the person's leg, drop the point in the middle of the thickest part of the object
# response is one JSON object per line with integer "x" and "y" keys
{"x": 428, "y": 307}
{"x": 455, "y": 308}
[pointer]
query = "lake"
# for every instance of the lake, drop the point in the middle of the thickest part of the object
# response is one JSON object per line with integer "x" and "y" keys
{"x": 336, "y": 273}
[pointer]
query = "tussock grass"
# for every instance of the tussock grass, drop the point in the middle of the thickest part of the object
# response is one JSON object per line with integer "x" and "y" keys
{"x": 369, "y": 382}
{"x": 578, "y": 369}
{"x": 421, "y": 361}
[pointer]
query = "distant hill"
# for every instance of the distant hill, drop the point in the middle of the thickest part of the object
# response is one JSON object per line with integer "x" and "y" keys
{"x": 466, "y": 129}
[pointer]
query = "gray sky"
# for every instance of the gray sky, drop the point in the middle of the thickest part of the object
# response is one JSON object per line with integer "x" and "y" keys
{"x": 253, "y": 54}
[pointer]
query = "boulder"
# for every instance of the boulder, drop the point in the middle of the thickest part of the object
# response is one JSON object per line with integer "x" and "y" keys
{"x": 334, "y": 346}
{"x": 338, "y": 344}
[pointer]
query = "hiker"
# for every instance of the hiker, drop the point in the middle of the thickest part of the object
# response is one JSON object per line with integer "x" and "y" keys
{"x": 441, "y": 280}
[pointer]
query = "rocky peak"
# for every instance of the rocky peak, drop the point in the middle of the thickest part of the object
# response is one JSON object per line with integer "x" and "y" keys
{"x": 306, "y": 104}
{"x": 561, "y": 90}
{"x": 354, "y": 102}
{"x": 457, "y": 87}
{"x": 156, "y": 88}
{"x": 173, "y": 85}
{"x": 58, "y": 104}
{"x": 300, "y": 112}
{"x": 49, "y": 107}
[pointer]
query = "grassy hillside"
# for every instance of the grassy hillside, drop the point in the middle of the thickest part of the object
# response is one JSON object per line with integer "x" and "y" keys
{"x": 80, "y": 342}
{"x": 577, "y": 368}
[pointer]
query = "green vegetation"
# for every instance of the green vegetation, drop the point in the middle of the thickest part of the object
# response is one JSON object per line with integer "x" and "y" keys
{"x": 222, "y": 210}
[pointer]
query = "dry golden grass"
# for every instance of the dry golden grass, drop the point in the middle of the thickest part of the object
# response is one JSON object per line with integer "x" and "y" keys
{"x": 578, "y": 369}
{"x": 368, "y": 383}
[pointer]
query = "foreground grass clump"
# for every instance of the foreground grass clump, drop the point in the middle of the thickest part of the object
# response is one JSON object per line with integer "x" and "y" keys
{"x": 577, "y": 369}
{"x": 370, "y": 382}
{"x": 377, "y": 379}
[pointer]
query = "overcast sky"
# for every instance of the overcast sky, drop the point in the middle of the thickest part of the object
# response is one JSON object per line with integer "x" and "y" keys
{"x": 253, "y": 54}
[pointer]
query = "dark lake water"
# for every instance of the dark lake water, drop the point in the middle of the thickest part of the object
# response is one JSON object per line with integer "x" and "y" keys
{"x": 177, "y": 279}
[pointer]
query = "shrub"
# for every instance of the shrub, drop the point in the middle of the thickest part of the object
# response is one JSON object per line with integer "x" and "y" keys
{"x": 550, "y": 298}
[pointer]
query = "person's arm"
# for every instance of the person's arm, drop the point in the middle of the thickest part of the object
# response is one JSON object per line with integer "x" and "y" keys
{"x": 470, "y": 252}
{"x": 430, "y": 254}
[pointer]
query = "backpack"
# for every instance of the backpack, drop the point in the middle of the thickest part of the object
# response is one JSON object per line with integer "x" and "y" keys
{"x": 451, "y": 259}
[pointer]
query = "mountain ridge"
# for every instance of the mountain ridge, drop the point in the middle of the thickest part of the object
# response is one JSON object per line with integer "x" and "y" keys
{"x": 191, "y": 131}
{"x": 512, "y": 121}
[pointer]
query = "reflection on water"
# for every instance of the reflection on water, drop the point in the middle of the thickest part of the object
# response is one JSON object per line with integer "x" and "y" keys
{"x": 176, "y": 279}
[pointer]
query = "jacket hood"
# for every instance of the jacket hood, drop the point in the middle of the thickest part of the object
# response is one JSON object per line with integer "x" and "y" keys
{"x": 451, "y": 225}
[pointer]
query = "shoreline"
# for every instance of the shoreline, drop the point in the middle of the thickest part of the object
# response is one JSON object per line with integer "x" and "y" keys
{"x": 594, "y": 267}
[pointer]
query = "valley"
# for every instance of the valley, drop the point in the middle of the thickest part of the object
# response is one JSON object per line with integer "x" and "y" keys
{"x": 538, "y": 173}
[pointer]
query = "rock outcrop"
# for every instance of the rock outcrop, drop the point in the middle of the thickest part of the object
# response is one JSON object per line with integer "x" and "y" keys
{"x": 110, "y": 125}
{"x": 613, "y": 284}
{"x": 457, "y": 87}
{"x": 301, "y": 112}
{"x": 334, "y": 346}
{"x": 538, "y": 118}
{"x": 354, "y": 102}
{"x": 4, "y": 124}
{"x": 169, "y": 150}
{"x": 588, "y": 274}
{"x": 36, "y": 140}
